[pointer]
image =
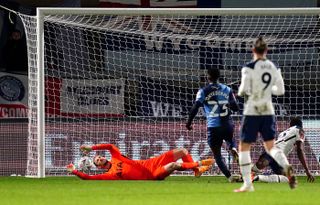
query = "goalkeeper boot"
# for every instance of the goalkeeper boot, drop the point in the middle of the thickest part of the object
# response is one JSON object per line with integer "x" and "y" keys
{"x": 206, "y": 162}
{"x": 291, "y": 177}
{"x": 198, "y": 171}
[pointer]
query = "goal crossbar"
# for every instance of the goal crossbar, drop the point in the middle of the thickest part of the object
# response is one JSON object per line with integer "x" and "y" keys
{"x": 180, "y": 11}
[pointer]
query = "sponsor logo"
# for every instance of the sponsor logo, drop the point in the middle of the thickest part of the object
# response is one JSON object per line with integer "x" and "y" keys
{"x": 11, "y": 88}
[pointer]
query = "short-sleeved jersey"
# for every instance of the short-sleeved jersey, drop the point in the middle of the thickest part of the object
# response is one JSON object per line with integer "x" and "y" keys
{"x": 260, "y": 80}
{"x": 216, "y": 99}
{"x": 288, "y": 138}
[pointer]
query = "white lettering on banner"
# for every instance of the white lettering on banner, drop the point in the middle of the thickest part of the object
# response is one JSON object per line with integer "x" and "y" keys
{"x": 161, "y": 109}
{"x": 52, "y": 148}
{"x": 158, "y": 42}
{"x": 137, "y": 147}
{"x": 99, "y": 96}
{"x": 181, "y": 143}
{"x": 195, "y": 150}
{"x": 121, "y": 143}
{"x": 164, "y": 147}
{"x": 176, "y": 43}
{"x": 13, "y": 112}
{"x": 198, "y": 149}
{"x": 84, "y": 100}
{"x": 90, "y": 90}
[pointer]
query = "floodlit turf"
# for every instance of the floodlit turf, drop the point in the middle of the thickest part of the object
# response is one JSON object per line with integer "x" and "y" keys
{"x": 173, "y": 190}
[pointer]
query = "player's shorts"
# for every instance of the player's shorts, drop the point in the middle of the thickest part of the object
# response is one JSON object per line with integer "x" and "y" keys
{"x": 153, "y": 164}
{"x": 252, "y": 125}
{"x": 216, "y": 135}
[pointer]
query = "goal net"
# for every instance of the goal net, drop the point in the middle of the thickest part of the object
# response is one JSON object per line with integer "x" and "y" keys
{"x": 129, "y": 77}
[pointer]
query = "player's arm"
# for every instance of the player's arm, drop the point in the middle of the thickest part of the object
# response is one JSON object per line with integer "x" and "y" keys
{"x": 112, "y": 149}
{"x": 245, "y": 86}
{"x": 105, "y": 176}
{"x": 233, "y": 104}
{"x": 278, "y": 87}
{"x": 302, "y": 158}
{"x": 195, "y": 108}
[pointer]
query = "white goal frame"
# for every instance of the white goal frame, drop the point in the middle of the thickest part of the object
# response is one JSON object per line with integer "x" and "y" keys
{"x": 42, "y": 12}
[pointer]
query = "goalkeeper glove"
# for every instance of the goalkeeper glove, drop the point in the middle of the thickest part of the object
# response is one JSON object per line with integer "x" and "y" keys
{"x": 85, "y": 149}
{"x": 70, "y": 168}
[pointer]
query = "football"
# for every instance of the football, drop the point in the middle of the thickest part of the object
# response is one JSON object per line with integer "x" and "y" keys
{"x": 85, "y": 164}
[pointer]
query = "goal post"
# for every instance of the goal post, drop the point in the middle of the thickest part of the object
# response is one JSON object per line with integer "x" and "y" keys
{"x": 129, "y": 76}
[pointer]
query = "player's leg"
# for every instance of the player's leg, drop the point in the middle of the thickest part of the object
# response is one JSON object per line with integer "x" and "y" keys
{"x": 171, "y": 156}
{"x": 228, "y": 137}
{"x": 262, "y": 163}
{"x": 249, "y": 131}
{"x": 183, "y": 154}
{"x": 268, "y": 133}
{"x": 274, "y": 178}
{"x": 215, "y": 142}
{"x": 164, "y": 171}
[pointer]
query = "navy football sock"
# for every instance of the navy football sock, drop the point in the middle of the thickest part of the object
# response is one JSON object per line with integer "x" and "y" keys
{"x": 222, "y": 166}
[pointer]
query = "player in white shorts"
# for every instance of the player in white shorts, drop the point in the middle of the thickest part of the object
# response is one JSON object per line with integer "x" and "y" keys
{"x": 287, "y": 140}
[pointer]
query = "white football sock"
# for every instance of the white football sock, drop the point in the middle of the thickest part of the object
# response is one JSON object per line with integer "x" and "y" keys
{"x": 245, "y": 167}
{"x": 272, "y": 178}
{"x": 278, "y": 155}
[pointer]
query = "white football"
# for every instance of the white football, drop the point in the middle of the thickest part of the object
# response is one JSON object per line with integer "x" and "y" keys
{"x": 85, "y": 163}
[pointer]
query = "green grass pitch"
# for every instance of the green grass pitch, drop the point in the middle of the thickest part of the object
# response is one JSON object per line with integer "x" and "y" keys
{"x": 173, "y": 190}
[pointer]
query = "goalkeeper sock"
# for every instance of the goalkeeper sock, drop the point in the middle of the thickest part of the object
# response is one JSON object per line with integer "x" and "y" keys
{"x": 245, "y": 167}
{"x": 188, "y": 165}
{"x": 187, "y": 158}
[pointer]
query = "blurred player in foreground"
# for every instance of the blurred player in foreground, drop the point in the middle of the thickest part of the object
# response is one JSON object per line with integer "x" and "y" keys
{"x": 260, "y": 79}
{"x": 123, "y": 168}
{"x": 287, "y": 140}
{"x": 218, "y": 102}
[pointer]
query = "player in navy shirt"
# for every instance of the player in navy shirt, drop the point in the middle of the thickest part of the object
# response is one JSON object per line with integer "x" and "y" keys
{"x": 218, "y": 102}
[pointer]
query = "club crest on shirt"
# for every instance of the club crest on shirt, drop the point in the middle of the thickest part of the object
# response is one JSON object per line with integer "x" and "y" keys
{"x": 11, "y": 88}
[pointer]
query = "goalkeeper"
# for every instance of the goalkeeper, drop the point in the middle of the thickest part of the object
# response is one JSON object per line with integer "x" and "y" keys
{"x": 218, "y": 102}
{"x": 123, "y": 168}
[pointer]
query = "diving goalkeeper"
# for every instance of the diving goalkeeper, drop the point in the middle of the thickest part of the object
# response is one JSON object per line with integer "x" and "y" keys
{"x": 123, "y": 168}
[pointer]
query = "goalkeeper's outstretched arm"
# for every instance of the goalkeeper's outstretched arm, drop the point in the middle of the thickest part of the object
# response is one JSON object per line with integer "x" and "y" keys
{"x": 112, "y": 149}
{"x": 71, "y": 169}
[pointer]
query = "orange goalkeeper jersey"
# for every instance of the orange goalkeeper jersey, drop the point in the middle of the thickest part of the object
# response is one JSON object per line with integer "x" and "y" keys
{"x": 122, "y": 167}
